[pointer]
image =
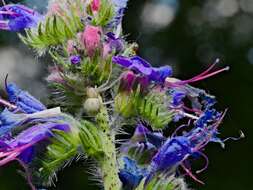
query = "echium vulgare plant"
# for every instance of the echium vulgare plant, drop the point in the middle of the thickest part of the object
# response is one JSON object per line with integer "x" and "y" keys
{"x": 99, "y": 88}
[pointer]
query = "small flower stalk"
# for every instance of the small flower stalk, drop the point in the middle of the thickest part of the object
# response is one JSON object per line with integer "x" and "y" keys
{"x": 99, "y": 85}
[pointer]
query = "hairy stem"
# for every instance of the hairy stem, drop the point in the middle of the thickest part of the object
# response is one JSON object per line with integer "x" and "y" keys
{"x": 108, "y": 164}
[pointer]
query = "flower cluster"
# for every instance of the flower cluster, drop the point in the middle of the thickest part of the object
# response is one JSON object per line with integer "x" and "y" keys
{"x": 98, "y": 78}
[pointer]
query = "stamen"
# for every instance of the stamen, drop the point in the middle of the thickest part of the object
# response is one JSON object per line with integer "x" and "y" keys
{"x": 4, "y": 25}
{"x": 199, "y": 77}
{"x": 191, "y": 174}
{"x": 7, "y": 104}
{"x": 235, "y": 138}
{"x": 187, "y": 115}
{"x": 198, "y": 111}
{"x": 3, "y": 1}
{"x": 207, "y": 162}
{"x": 28, "y": 176}
{"x": 8, "y": 13}
{"x": 177, "y": 129}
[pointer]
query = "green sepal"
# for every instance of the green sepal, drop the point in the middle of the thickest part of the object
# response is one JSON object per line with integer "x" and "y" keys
{"x": 153, "y": 109}
{"x": 62, "y": 150}
{"x": 163, "y": 183}
{"x": 53, "y": 32}
{"x": 91, "y": 140}
{"x": 105, "y": 13}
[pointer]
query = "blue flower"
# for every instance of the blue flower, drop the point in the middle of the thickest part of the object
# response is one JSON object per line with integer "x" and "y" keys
{"x": 131, "y": 175}
{"x": 18, "y": 17}
{"x": 23, "y": 100}
{"x": 22, "y": 128}
{"x": 143, "y": 145}
{"x": 210, "y": 115}
{"x": 177, "y": 98}
{"x": 141, "y": 66}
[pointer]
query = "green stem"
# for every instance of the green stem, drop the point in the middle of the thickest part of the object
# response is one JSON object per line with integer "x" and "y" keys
{"x": 108, "y": 164}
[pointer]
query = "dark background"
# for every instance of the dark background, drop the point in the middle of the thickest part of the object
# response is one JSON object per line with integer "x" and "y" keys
{"x": 188, "y": 35}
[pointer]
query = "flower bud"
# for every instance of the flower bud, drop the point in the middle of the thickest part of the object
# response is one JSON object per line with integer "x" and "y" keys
{"x": 90, "y": 38}
{"x": 95, "y": 5}
{"x": 75, "y": 59}
{"x": 127, "y": 81}
{"x": 92, "y": 93}
{"x": 92, "y": 105}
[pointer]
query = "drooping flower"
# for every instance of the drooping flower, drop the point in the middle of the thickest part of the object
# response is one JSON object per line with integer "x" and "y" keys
{"x": 18, "y": 17}
{"x": 22, "y": 145}
{"x": 23, "y": 128}
{"x": 90, "y": 38}
{"x": 141, "y": 66}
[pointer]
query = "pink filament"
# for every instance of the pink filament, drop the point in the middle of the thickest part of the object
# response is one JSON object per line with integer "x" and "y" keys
{"x": 11, "y": 155}
{"x": 199, "y": 77}
{"x": 191, "y": 175}
{"x": 193, "y": 110}
{"x": 7, "y": 104}
{"x": 28, "y": 176}
{"x": 4, "y": 25}
{"x": 8, "y": 13}
{"x": 207, "y": 162}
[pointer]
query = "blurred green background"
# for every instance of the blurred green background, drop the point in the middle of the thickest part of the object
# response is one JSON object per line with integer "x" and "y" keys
{"x": 188, "y": 35}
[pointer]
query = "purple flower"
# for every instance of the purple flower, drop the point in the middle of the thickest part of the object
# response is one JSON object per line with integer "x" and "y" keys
{"x": 141, "y": 66}
{"x": 18, "y": 17}
{"x": 112, "y": 44}
{"x": 24, "y": 101}
{"x": 75, "y": 59}
{"x": 115, "y": 43}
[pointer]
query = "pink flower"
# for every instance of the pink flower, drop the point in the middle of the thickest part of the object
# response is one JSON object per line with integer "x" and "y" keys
{"x": 90, "y": 38}
{"x": 95, "y": 5}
